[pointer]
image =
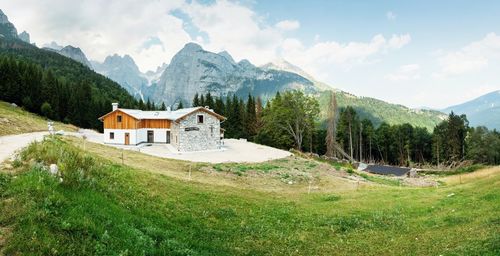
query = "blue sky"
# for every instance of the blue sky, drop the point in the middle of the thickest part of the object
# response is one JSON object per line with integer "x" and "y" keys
{"x": 415, "y": 53}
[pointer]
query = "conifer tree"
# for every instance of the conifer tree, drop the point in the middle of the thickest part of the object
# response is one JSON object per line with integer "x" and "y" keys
{"x": 163, "y": 107}
{"x": 196, "y": 100}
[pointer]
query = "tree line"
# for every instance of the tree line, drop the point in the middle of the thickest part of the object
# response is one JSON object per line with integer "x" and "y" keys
{"x": 291, "y": 119}
{"x": 38, "y": 90}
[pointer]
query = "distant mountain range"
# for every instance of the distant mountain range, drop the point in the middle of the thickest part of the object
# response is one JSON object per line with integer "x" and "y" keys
{"x": 195, "y": 70}
{"x": 484, "y": 110}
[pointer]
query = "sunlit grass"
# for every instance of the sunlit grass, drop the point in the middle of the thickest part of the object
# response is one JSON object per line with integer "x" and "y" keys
{"x": 105, "y": 208}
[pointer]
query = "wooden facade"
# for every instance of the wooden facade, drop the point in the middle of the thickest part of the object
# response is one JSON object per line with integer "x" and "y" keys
{"x": 155, "y": 123}
{"x": 111, "y": 121}
{"x": 121, "y": 120}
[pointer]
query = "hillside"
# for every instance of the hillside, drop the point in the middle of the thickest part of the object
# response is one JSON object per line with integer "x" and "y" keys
{"x": 14, "y": 120}
{"x": 103, "y": 207}
{"x": 379, "y": 111}
{"x": 75, "y": 93}
{"x": 482, "y": 111}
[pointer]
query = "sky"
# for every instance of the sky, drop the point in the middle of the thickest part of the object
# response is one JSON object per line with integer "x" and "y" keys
{"x": 415, "y": 53}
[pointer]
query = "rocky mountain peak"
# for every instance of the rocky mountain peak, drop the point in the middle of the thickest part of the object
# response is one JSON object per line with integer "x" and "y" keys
{"x": 75, "y": 53}
{"x": 116, "y": 60}
{"x": 7, "y": 29}
{"x": 190, "y": 48}
{"x": 25, "y": 36}
{"x": 246, "y": 64}
{"x": 228, "y": 56}
{"x": 53, "y": 45}
{"x": 3, "y": 18}
{"x": 194, "y": 70}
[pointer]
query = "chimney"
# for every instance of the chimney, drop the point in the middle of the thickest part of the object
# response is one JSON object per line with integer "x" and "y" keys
{"x": 169, "y": 109}
{"x": 207, "y": 107}
{"x": 115, "y": 106}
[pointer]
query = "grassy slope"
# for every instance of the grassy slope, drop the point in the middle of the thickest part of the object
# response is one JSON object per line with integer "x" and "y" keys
{"x": 14, "y": 120}
{"x": 103, "y": 207}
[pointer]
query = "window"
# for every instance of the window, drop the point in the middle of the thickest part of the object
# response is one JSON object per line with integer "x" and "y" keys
{"x": 119, "y": 119}
{"x": 211, "y": 130}
{"x": 111, "y": 135}
{"x": 200, "y": 119}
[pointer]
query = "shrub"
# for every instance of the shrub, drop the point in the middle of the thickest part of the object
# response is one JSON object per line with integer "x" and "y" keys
{"x": 331, "y": 198}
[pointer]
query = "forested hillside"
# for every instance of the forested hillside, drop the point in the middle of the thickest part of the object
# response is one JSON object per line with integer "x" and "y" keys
{"x": 379, "y": 111}
{"x": 55, "y": 86}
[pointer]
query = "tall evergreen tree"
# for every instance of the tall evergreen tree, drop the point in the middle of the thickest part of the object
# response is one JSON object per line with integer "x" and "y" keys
{"x": 196, "y": 100}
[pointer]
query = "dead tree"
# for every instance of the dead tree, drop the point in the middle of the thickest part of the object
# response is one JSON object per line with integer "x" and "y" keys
{"x": 331, "y": 132}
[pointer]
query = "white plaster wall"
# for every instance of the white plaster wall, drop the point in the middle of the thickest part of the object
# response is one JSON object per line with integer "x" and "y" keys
{"x": 120, "y": 136}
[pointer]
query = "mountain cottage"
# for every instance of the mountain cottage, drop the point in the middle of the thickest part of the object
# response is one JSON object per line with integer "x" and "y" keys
{"x": 187, "y": 129}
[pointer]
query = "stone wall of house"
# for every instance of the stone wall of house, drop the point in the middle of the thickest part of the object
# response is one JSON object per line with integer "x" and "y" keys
{"x": 193, "y": 136}
{"x": 175, "y": 134}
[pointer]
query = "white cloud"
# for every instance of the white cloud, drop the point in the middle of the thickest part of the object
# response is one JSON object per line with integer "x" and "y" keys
{"x": 399, "y": 41}
{"x": 319, "y": 58}
{"x": 405, "y": 73}
{"x": 103, "y": 28}
{"x": 235, "y": 28}
{"x": 471, "y": 58}
{"x": 288, "y": 25}
{"x": 390, "y": 15}
{"x": 151, "y": 34}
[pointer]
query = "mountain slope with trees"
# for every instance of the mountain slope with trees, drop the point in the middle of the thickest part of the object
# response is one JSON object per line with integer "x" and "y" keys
{"x": 55, "y": 86}
{"x": 482, "y": 111}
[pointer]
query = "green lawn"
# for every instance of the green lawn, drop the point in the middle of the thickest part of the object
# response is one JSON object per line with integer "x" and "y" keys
{"x": 14, "y": 120}
{"x": 105, "y": 208}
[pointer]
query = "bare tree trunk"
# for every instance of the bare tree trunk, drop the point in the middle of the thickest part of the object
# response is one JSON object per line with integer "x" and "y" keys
{"x": 437, "y": 148}
{"x": 350, "y": 139}
{"x": 331, "y": 132}
{"x": 370, "y": 149}
{"x": 361, "y": 142}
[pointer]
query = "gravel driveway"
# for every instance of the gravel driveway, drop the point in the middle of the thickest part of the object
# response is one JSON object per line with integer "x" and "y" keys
{"x": 236, "y": 151}
{"x": 11, "y": 143}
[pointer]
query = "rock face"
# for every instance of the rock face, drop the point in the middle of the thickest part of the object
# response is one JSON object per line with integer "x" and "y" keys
{"x": 69, "y": 51}
{"x": 125, "y": 72}
{"x": 75, "y": 53}
{"x": 154, "y": 76}
{"x": 54, "y": 46}
{"x": 194, "y": 70}
{"x": 281, "y": 64}
{"x": 25, "y": 37}
{"x": 7, "y": 29}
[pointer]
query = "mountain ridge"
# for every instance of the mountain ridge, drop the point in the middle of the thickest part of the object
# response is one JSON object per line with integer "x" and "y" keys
{"x": 481, "y": 111}
{"x": 220, "y": 75}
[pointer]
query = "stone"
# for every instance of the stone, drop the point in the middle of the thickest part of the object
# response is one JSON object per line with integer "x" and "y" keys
{"x": 53, "y": 169}
{"x": 205, "y": 137}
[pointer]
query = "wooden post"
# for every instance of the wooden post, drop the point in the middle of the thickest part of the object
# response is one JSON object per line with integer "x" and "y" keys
{"x": 190, "y": 172}
{"x": 122, "y": 157}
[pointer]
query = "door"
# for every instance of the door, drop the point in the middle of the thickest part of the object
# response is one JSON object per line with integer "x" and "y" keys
{"x": 168, "y": 137}
{"x": 127, "y": 138}
{"x": 151, "y": 138}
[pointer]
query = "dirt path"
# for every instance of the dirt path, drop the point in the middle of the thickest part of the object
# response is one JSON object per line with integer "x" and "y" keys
{"x": 11, "y": 143}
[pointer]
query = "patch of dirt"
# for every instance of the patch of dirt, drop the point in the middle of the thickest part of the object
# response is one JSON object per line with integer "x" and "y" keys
{"x": 4, "y": 233}
{"x": 419, "y": 182}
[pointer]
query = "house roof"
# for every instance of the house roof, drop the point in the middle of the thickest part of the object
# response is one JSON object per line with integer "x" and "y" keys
{"x": 169, "y": 115}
